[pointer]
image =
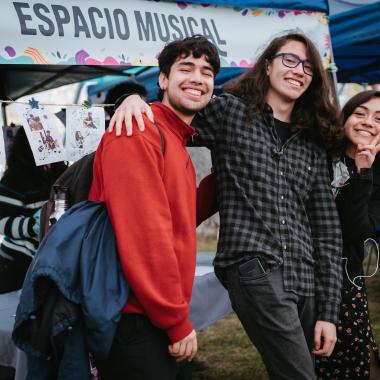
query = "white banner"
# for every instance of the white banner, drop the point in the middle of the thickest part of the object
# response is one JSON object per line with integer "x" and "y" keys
{"x": 133, "y": 32}
{"x": 84, "y": 130}
{"x": 45, "y": 135}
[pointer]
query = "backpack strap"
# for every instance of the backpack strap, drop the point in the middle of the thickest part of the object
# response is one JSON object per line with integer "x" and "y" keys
{"x": 163, "y": 142}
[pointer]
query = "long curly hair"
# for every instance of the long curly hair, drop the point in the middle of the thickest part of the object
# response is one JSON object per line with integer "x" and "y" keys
{"x": 314, "y": 112}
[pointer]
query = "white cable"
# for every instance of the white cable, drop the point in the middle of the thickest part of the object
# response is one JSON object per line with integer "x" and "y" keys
{"x": 363, "y": 276}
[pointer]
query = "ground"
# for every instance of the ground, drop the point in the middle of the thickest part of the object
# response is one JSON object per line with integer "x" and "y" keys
{"x": 225, "y": 352}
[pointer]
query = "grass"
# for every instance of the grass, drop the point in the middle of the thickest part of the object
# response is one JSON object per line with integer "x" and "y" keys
{"x": 226, "y": 353}
{"x": 206, "y": 244}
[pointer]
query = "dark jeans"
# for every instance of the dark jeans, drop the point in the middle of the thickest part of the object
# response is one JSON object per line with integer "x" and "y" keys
{"x": 280, "y": 324}
{"x": 140, "y": 352}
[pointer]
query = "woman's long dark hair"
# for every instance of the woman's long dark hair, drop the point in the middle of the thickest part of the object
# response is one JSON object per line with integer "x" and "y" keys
{"x": 356, "y": 101}
{"x": 22, "y": 173}
{"x": 314, "y": 112}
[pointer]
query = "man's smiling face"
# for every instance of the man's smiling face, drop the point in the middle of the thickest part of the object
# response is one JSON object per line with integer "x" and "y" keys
{"x": 189, "y": 86}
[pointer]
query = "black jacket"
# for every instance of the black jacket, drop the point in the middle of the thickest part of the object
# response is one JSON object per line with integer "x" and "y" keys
{"x": 358, "y": 205}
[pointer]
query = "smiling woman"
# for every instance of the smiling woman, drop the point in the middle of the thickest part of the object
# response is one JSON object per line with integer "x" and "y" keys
{"x": 358, "y": 200}
{"x": 363, "y": 125}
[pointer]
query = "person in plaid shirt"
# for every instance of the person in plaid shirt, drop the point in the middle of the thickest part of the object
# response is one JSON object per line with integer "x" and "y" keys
{"x": 279, "y": 247}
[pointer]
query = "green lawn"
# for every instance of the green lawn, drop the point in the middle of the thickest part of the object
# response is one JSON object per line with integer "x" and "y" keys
{"x": 225, "y": 352}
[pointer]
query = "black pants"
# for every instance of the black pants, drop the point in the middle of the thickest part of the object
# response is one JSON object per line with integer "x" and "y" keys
{"x": 13, "y": 271}
{"x": 140, "y": 352}
{"x": 280, "y": 324}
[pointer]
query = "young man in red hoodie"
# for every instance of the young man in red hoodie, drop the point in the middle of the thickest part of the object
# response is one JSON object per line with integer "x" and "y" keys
{"x": 150, "y": 194}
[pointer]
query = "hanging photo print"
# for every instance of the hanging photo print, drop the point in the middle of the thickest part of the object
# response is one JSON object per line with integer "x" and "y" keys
{"x": 45, "y": 134}
{"x": 84, "y": 130}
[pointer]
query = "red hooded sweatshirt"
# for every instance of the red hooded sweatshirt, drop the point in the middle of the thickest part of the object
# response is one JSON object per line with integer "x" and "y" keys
{"x": 151, "y": 201}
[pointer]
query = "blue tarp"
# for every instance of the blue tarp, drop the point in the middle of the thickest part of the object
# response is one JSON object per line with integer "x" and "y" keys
{"x": 314, "y": 5}
{"x": 356, "y": 44}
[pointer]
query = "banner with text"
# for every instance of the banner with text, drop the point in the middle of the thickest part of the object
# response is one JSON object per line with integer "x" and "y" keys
{"x": 116, "y": 32}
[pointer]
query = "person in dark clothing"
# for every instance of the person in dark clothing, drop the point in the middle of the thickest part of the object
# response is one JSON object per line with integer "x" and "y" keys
{"x": 356, "y": 183}
{"x": 118, "y": 91}
{"x": 24, "y": 188}
{"x": 280, "y": 240}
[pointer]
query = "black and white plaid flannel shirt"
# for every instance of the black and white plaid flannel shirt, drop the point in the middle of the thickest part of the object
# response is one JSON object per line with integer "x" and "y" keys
{"x": 275, "y": 201}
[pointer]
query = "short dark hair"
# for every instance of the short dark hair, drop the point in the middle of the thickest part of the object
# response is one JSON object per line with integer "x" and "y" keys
{"x": 196, "y": 45}
{"x": 127, "y": 87}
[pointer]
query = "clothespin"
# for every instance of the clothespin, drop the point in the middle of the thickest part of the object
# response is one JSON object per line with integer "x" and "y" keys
{"x": 332, "y": 67}
{"x": 33, "y": 103}
{"x": 87, "y": 104}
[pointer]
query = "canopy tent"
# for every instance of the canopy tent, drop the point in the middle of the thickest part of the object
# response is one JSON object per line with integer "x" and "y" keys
{"x": 353, "y": 58}
{"x": 315, "y": 5}
{"x": 20, "y": 80}
{"x": 356, "y": 44}
{"x": 23, "y": 79}
{"x": 339, "y": 6}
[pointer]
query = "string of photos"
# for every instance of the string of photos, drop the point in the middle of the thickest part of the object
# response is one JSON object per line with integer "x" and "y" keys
{"x": 54, "y": 139}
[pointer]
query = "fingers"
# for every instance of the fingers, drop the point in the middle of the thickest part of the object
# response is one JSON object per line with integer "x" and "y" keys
{"x": 317, "y": 338}
{"x": 190, "y": 350}
{"x": 180, "y": 351}
{"x": 140, "y": 122}
{"x": 327, "y": 348}
{"x": 367, "y": 154}
{"x": 324, "y": 338}
{"x": 111, "y": 124}
{"x": 194, "y": 351}
{"x": 376, "y": 139}
{"x": 128, "y": 124}
{"x": 373, "y": 148}
{"x": 185, "y": 349}
{"x": 174, "y": 349}
{"x": 119, "y": 124}
{"x": 149, "y": 114}
{"x": 369, "y": 147}
{"x": 132, "y": 107}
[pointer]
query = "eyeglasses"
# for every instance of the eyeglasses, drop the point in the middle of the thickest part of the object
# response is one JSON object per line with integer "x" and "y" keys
{"x": 292, "y": 60}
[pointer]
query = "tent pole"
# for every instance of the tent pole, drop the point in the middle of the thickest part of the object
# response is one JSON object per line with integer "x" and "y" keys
{"x": 4, "y": 113}
{"x": 333, "y": 78}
